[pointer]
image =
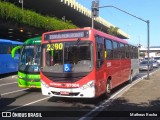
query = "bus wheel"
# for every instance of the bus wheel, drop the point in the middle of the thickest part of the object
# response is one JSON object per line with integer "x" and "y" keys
{"x": 108, "y": 88}
{"x": 130, "y": 79}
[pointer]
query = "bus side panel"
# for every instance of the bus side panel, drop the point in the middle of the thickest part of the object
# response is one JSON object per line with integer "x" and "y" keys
{"x": 125, "y": 69}
{"x": 8, "y": 64}
{"x": 114, "y": 69}
{"x": 101, "y": 80}
{"x": 119, "y": 70}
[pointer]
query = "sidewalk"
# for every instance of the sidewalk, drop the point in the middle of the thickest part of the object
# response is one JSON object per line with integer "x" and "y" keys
{"x": 141, "y": 97}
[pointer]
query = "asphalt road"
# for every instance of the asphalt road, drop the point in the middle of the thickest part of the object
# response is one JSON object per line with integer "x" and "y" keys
{"x": 15, "y": 99}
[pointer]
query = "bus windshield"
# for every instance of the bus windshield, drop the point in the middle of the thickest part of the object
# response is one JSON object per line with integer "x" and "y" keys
{"x": 30, "y": 58}
{"x": 68, "y": 57}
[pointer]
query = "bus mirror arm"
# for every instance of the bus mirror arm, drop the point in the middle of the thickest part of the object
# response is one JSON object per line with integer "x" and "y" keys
{"x": 13, "y": 52}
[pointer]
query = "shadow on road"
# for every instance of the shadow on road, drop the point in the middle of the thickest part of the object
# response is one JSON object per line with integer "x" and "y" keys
{"x": 121, "y": 104}
{"x": 121, "y": 109}
{"x": 7, "y": 75}
{"x": 6, "y": 101}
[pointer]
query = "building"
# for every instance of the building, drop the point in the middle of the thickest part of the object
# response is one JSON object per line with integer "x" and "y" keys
{"x": 153, "y": 51}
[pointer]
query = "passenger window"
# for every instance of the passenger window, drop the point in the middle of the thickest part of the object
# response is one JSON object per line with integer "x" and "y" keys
{"x": 109, "y": 49}
{"x": 100, "y": 51}
{"x": 116, "y": 54}
{"x": 9, "y": 50}
{"x": 122, "y": 50}
{"x": 127, "y": 51}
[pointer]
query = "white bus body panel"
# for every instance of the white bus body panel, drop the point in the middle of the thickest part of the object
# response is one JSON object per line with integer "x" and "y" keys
{"x": 73, "y": 92}
{"x": 134, "y": 67}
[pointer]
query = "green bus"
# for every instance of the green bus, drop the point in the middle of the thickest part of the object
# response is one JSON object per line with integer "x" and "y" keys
{"x": 29, "y": 63}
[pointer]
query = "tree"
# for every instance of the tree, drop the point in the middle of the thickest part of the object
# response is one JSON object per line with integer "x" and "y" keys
{"x": 142, "y": 54}
{"x": 113, "y": 30}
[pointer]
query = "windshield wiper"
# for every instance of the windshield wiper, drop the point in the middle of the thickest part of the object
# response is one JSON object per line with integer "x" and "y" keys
{"x": 78, "y": 41}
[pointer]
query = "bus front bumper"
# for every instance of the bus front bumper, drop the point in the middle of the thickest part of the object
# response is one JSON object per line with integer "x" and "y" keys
{"x": 86, "y": 91}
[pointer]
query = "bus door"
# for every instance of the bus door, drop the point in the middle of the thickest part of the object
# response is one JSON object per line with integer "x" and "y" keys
{"x": 100, "y": 66}
{"x": 125, "y": 63}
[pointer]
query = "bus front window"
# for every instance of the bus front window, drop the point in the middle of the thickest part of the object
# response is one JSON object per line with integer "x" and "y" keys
{"x": 30, "y": 58}
{"x": 71, "y": 57}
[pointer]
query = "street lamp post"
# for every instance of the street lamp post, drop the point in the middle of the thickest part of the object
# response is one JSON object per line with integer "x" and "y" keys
{"x": 146, "y": 21}
{"x": 148, "y": 46}
{"x": 64, "y": 18}
{"x": 21, "y": 1}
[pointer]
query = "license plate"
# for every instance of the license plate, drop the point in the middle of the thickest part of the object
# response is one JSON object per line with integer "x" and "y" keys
{"x": 32, "y": 86}
{"x": 64, "y": 93}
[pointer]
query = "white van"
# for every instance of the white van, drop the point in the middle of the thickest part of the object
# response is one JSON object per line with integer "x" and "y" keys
{"x": 157, "y": 58}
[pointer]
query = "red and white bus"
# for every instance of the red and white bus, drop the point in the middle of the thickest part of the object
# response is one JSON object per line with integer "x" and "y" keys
{"x": 85, "y": 63}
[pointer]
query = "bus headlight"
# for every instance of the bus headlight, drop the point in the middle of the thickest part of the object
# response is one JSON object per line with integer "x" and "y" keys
{"x": 90, "y": 84}
{"x": 47, "y": 86}
{"x": 20, "y": 77}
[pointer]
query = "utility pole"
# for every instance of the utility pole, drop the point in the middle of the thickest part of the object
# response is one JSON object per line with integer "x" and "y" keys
{"x": 95, "y": 10}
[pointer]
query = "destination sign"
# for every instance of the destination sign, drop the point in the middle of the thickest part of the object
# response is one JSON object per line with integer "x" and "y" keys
{"x": 65, "y": 35}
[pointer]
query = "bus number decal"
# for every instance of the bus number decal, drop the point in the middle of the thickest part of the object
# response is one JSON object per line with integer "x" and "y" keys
{"x": 72, "y": 85}
{"x": 108, "y": 64}
{"x": 55, "y": 46}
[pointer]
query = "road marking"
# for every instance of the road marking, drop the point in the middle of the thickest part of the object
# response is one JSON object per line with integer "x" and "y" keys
{"x": 28, "y": 104}
{"x": 7, "y": 84}
{"x": 14, "y": 91}
{"x": 142, "y": 73}
{"x": 107, "y": 102}
{"x": 14, "y": 76}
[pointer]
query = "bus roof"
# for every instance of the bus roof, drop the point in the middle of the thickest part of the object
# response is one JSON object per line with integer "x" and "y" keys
{"x": 35, "y": 40}
{"x": 10, "y": 41}
{"x": 106, "y": 35}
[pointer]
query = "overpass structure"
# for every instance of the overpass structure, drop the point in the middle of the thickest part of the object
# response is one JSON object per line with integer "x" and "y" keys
{"x": 68, "y": 10}
{"x": 151, "y": 49}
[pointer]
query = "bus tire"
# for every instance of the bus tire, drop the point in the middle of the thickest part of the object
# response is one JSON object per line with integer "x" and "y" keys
{"x": 130, "y": 79}
{"x": 108, "y": 88}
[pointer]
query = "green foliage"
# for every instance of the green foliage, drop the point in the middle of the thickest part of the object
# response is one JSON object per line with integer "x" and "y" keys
{"x": 142, "y": 54}
{"x": 9, "y": 11}
{"x": 113, "y": 31}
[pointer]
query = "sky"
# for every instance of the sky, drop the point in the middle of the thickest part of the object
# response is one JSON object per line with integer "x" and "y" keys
{"x": 137, "y": 29}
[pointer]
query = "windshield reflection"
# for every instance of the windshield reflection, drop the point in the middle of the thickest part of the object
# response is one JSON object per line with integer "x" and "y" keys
{"x": 30, "y": 58}
{"x": 68, "y": 57}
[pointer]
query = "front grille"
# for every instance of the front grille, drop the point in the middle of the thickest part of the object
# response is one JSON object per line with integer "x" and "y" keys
{"x": 65, "y": 77}
{"x": 70, "y": 94}
{"x": 29, "y": 80}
